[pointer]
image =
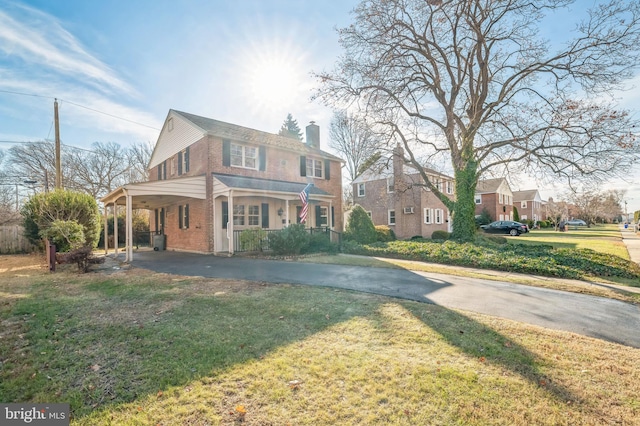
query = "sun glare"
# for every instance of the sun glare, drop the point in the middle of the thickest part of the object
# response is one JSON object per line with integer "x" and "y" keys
{"x": 274, "y": 78}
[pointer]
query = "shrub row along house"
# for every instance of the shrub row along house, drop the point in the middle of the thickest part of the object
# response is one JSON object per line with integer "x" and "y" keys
{"x": 391, "y": 193}
{"x": 209, "y": 180}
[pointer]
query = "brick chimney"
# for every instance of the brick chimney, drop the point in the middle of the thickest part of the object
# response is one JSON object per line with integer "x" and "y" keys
{"x": 313, "y": 135}
{"x": 398, "y": 163}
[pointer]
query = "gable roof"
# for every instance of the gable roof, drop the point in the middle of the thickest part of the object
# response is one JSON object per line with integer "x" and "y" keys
{"x": 527, "y": 195}
{"x": 489, "y": 186}
{"x": 383, "y": 169}
{"x": 239, "y": 133}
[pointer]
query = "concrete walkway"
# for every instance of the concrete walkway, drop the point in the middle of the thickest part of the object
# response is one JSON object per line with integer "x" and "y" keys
{"x": 597, "y": 317}
{"x": 632, "y": 240}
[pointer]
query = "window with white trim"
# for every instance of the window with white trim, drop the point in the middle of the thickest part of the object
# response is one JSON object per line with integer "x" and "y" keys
{"x": 244, "y": 156}
{"x": 390, "y": 184}
{"x": 478, "y": 199}
{"x": 238, "y": 214}
{"x": 314, "y": 168}
{"x": 254, "y": 216}
{"x": 523, "y": 204}
{"x": 173, "y": 166}
{"x": 324, "y": 216}
{"x": 428, "y": 216}
{"x": 391, "y": 216}
{"x": 439, "y": 215}
{"x": 361, "y": 190}
{"x": 449, "y": 187}
{"x": 500, "y": 198}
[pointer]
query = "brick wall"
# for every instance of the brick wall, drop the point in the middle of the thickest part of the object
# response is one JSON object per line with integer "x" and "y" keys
{"x": 196, "y": 237}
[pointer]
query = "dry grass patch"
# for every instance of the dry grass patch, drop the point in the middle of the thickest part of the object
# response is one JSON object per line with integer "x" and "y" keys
{"x": 142, "y": 348}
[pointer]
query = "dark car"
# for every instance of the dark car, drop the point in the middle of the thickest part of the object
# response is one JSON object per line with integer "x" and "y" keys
{"x": 505, "y": 227}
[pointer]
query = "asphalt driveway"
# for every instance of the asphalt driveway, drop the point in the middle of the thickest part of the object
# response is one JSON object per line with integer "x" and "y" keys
{"x": 598, "y": 317}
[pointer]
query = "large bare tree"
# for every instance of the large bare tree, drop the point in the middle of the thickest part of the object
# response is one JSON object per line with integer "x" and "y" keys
{"x": 353, "y": 140}
{"x": 475, "y": 81}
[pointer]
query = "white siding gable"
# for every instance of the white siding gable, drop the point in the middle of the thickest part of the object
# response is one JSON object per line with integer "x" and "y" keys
{"x": 170, "y": 142}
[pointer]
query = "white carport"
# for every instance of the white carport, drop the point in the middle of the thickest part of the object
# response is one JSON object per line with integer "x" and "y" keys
{"x": 148, "y": 195}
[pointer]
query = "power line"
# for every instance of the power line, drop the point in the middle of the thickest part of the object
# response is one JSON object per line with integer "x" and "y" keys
{"x": 49, "y": 142}
{"x": 81, "y": 106}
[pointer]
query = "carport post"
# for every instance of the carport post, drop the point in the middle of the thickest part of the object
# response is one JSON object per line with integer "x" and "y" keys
{"x": 106, "y": 231}
{"x": 129, "y": 229}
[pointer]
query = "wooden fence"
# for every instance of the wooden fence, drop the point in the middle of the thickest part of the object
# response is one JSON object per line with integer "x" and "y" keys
{"x": 12, "y": 240}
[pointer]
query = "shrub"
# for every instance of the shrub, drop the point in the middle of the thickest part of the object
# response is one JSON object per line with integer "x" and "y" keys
{"x": 516, "y": 214}
{"x": 65, "y": 234}
{"x": 253, "y": 239}
{"x": 440, "y": 235}
{"x": 384, "y": 233}
{"x": 484, "y": 218}
{"x": 81, "y": 256}
{"x": 290, "y": 241}
{"x": 360, "y": 227}
{"x": 41, "y": 210}
{"x": 320, "y": 243}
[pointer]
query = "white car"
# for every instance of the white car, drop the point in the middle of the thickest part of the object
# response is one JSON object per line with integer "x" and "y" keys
{"x": 576, "y": 222}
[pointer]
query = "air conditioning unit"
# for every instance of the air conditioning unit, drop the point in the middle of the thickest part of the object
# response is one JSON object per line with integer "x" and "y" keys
{"x": 408, "y": 210}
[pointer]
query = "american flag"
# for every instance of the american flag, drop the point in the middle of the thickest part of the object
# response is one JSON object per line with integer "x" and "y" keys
{"x": 304, "y": 197}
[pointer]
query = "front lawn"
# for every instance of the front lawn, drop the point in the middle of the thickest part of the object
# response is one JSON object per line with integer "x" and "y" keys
{"x": 141, "y": 348}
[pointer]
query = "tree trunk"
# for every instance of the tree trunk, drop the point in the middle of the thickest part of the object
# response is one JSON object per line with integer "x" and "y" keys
{"x": 464, "y": 221}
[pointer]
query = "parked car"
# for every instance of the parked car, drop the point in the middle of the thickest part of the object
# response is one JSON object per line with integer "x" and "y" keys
{"x": 505, "y": 227}
{"x": 576, "y": 222}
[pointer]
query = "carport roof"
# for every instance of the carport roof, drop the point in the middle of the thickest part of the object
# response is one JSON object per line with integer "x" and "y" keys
{"x": 158, "y": 193}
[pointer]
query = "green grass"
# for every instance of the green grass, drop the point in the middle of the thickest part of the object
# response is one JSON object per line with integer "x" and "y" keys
{"x": 140, "y": 348}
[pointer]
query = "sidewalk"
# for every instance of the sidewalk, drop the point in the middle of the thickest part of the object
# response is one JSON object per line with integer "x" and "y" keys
{"x": 632, "y": 240}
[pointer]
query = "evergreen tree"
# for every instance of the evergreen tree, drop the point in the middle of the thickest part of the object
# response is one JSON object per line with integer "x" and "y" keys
{"x": 290, "y": 128}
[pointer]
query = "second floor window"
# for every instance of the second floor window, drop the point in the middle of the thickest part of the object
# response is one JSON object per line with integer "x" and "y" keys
{"x": 244, "y": 156}
{"x": 449, "y": 187}
{"x": 523, "y": 204}
{"x": 390, "y": 184}
{"x": 314, "y": 168}
{"x": 501, "y": 198}
{"x": 361, "y": 190}
{"x": 478, "y": 199}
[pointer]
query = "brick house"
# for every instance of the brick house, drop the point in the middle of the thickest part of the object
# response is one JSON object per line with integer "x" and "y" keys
{"x": 209, "y": 180}
{"x": 391, "y": 193}
{"x": 529, "y": 204}
{"x": 494, "y": 195}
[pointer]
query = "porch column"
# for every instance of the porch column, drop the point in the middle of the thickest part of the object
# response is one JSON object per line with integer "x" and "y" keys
{"x": 230, "y": 222}
{"x": 115, "y": 227}
{"x": 129, "y": 231}
{"x": 286, "y": 218}
{"x": 106, "y": 230}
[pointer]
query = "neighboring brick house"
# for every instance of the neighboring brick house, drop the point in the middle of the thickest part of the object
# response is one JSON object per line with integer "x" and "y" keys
{"x": 390, "y": 192}
{"x": 209, "y": 180}
{"x": 496, "y": 197}
{"x": 529, "y": 204}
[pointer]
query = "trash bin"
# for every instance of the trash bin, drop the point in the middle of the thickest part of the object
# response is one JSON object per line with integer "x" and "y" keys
{"x": 159, "y": 242}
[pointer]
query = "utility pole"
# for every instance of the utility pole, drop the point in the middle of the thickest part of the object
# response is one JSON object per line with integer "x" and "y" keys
{"x": 57, "y": 127}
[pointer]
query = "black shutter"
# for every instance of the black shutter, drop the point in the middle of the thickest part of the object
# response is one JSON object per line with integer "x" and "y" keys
{"x": 327, "y": 169}
{"x": 186, "y": 216}
{"x": 225, "y": 214}
{"x": 265, "y": 215}
{"x": 298, "y": 211}
{"x": 303, "y": 165}
{"x": 262, "y": 158}
{"x": 226, "y": 152}
{"x": 186, "y": 160}
{"x": 164, "y": 170}
{"x": 180, "y": 223}
{"x": 333, "y": 220}
{"x": 179, "y": 163}
{"x": 159, "y": 171}
{"x": 318, "y": 217}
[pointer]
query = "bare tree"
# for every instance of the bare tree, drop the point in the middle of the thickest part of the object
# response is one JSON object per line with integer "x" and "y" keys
{"x": 475, "y": 82}
{"x": 353, "y": 140}
{"x": 593, "y": 206}
{"x": 139, "y": 155}
{"x": 100, "y": 170}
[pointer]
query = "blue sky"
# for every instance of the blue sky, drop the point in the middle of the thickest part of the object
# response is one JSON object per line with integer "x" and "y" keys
{"x": 246, "y": 62}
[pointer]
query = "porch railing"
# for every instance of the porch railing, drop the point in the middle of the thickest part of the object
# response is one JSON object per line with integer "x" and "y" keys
{"x": 259, "y": 241}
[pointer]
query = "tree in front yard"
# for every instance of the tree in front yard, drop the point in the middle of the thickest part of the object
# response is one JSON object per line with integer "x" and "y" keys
{"x": 53, "y": 214}
{"x": 478, "y": 85}
{"x": 360, "y": 228}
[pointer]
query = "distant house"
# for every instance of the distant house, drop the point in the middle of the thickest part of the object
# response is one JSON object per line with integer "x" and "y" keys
{"x": 496, "y": 197}
{"x": 392, "y": 193}
{"x": 529, "y": 204}
{"x": 209, "y": 180}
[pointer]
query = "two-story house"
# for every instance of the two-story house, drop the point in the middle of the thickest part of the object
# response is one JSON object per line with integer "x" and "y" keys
{"x": 209, "y": 180}
{"x": 529, "y": 204}
{"x": 496, "y": 197}
{"x": 393, "y": 194}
